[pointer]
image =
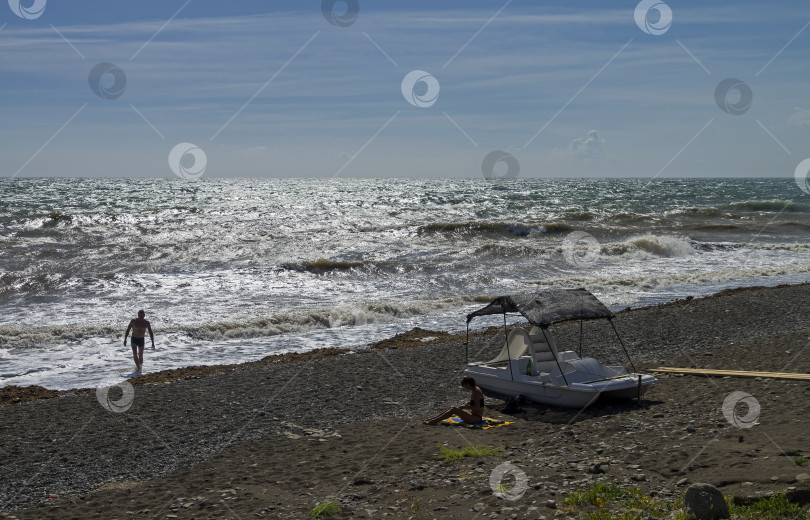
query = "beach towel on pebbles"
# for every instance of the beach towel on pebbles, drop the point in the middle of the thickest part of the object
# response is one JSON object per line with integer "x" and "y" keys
{"x": 485, "y": 424}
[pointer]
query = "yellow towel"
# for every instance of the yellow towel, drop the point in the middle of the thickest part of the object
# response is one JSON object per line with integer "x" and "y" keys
{"x": 485, "y": 424}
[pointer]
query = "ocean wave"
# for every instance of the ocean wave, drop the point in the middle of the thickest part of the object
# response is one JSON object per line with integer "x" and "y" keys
{"x": 33, "y": 284}
{"x": 55, "y": 218}
{"x": 505, "y": 229}
{"x": 614, "y": 290}
{"x": 630, "y": 218}
{"x": 772, "y": 205}
{"x": 803, "y": 227}
{"x": 637, "y": 246}
{"x": 738, "y": 215}
{"x": 557, "y": 227}
{"x": 796, "y": 246}
{"x": 491, "y": 250}
{"x": 61, "y": 219}
{"x": 323, "y": 266}
{"x": 703, "y": 211}
{"x": 753, "y": 227}
{"x": 335, "y": 320}
{"x": 721, "y": 228}
{"x": 650, "y": 245}
{"x": 580, "y": 216}
{"x": 64, "y": 219}
{"x": 12, "y": 337}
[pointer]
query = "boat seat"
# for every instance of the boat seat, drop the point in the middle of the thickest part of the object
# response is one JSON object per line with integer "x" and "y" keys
{"x": 589, "y": 366}
{"x": 517, "y": 343}
{"x": 544, "y": 346}
{"x": 543, "y": 351}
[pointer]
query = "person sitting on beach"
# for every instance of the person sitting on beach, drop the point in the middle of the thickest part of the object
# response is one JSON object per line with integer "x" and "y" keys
{"x": 139, "y": 326}
{"x": 471, "y": 412}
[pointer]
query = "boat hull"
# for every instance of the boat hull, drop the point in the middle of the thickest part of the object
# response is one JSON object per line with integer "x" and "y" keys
{"x": 575, "y": 395}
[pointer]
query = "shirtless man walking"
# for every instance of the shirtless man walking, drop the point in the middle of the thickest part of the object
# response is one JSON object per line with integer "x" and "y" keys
{"x": 139, "y": 326}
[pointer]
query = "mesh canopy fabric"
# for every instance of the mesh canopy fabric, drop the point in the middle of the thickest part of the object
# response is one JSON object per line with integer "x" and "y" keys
{"x": 546, "y": 307}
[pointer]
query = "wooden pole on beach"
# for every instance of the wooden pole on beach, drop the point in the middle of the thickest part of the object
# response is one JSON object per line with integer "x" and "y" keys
{"x": 732, "y": 373}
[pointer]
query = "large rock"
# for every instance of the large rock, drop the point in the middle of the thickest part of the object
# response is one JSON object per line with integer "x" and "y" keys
{"x": 705, "y": 502}
{"x": 798, "y": 496}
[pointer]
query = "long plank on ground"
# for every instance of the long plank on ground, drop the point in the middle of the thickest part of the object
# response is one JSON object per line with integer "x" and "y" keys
{"x": 733, "y": 373}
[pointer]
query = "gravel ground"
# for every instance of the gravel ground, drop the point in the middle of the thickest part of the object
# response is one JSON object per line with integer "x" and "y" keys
{"x": 68, "y": 446}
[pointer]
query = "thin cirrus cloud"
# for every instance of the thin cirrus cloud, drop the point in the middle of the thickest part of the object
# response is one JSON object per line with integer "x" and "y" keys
{"x": 531, "y": 66}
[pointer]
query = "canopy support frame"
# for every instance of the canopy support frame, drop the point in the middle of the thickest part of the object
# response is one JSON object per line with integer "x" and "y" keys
{"x": 508, "y": 354}
{"x": 467, "y": 346}
{"x": 543, "y": 330}
{"x": 622, "y": 344}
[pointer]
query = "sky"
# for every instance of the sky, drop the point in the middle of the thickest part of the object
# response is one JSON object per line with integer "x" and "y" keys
{"x": 300, "y": 89}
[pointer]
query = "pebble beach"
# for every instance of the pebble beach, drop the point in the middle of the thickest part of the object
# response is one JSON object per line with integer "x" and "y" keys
{"x": 275, "y": 439}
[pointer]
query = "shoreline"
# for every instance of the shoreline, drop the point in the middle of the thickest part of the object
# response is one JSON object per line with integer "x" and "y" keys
{"x": 13, "y": 394}
{"x": 276, "y": 440}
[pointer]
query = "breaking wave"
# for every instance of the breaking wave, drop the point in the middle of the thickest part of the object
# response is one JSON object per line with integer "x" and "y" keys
{"x": 653, "y": 245}
{"x": 323, "y": 319}
{"x": 769, "y": 206}
{"x": 493, "y": 228}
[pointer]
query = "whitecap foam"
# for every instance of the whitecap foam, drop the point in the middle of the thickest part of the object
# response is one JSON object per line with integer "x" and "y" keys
{"x": 662, "y": 246}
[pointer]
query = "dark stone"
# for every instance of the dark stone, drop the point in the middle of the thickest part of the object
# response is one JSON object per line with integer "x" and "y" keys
{"x": 705, "y": 502}
{"x": 596, "y": 469}
{"x": 798, "y": 496}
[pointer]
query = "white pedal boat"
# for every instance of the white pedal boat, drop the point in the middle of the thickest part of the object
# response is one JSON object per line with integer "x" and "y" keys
{"x": 530, "y": 364}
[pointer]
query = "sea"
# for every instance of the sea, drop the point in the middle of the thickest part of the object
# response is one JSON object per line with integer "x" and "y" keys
{"x": 232, "y": 270}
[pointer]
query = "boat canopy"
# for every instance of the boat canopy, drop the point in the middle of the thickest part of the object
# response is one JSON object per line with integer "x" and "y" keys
{"x": 544, "y": 308}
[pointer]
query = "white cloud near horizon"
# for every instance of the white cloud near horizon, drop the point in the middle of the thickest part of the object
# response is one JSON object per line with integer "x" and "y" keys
{"x": 800, "y": 117}
{"x": 589, "y": 147}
